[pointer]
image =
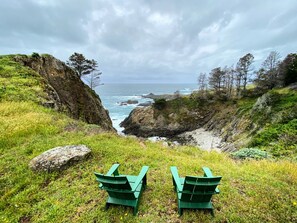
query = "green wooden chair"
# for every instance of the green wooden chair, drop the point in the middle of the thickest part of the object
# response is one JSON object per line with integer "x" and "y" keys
{"x": 122, "y": 189}
{"x": 195, "y": 192}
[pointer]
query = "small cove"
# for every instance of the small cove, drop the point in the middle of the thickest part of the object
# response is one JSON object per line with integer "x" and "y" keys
{"x": 112, "y": 95}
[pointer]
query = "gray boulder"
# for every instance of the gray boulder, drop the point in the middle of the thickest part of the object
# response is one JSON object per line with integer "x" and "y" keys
{"x": 59, "y": 158}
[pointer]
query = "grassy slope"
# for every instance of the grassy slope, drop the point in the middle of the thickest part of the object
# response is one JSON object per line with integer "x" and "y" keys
{"x": 251, "y": 191}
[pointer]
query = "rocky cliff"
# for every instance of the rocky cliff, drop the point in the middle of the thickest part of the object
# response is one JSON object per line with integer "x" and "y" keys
{"x": 169, "y": 121}
{"x": 267, "y": 121}
{"x": 66, "y": 92}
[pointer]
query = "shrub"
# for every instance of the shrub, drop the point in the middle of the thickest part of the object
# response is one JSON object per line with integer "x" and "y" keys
{"x": 251, "y": 153}
{"x": 160, "y": 103}
{"x": 35, "y": 55}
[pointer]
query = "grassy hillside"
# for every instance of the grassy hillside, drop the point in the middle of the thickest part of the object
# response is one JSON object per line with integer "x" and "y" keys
{"x": 19, "y": 83}
{"x": 251, "y": 191}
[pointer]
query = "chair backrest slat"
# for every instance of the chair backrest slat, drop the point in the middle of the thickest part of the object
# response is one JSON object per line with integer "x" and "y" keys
{"x": 199, "y": 189}
{"x": 116, "y": 186}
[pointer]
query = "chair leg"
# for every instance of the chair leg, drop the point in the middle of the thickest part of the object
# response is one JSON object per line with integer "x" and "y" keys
{"x": 135, "y": 210}
{"x": 212, "y": 212}
{"x": 180, "y": 211}
{"x": 107, "y": 206}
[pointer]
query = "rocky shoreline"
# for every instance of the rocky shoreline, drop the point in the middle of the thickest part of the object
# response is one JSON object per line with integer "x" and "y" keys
{"x": 204, "y": 139}
{"x": 161, "y": 96}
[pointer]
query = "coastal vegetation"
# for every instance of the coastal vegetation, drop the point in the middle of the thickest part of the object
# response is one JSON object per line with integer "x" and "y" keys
{"x": 262, "y": 114}
{"x": 85, "y": 67}
{"x": 28, "y": 129}
{"x": 252, "y": 190}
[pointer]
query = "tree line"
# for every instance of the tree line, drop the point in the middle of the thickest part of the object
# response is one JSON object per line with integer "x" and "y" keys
{"x": 85, "y": 67}
{"x": 230, "y": 81}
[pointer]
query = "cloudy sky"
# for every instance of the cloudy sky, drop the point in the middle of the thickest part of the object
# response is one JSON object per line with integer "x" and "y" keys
{"x": 151, "y": 41}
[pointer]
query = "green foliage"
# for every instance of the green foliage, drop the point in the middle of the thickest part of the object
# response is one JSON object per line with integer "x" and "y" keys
{"x": 27, "y": 130}
{"x": 160, "y": 103}
{"x": 279, "y": 139}
{"x": 81, "y": 65}
{"x": 19, "y": 83}
{"x": 260, "y": 190}
{"x": 35, "y": 55}
{"x": 252, "y": 153}
{"x": 288, "y": 69}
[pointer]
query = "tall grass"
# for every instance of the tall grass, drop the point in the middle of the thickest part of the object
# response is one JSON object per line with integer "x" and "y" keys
{"x": 251, "y": 191}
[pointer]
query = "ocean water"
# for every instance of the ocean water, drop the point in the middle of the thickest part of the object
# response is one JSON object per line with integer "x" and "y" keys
{"x": 113, "y": 94}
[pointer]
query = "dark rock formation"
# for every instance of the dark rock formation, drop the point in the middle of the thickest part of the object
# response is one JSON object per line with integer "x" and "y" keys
{"x": 129, "y": 102}
{"x": 59, "y": 158}
{"x": 161, "y": 96}
{"x": 66, "y": 92}
{"x": 147, "y": 122}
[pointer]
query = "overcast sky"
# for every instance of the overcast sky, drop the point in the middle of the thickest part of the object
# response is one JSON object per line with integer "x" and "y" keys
{"x": 138, "y": 41}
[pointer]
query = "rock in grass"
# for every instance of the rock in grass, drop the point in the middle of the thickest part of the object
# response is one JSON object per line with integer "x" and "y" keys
{"x": 59, "y": 158}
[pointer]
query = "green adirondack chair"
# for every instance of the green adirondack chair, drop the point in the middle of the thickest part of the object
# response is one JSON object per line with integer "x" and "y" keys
{"x": 195, "y": 192}
{"x": 123, "y": 189}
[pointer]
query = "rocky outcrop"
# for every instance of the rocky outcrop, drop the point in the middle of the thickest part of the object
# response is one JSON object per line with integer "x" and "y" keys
{"x": 161, "y": 96}
{"x": 66, "y": 92}
{"x": 175, "y": 118}
{"x": 149, "y": 121}
{"x": 59, "y": 158}
{"x": 129, "y": 102}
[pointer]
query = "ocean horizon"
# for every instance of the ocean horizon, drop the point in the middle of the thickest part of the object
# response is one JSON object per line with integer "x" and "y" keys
{"x": 113, "y": 94}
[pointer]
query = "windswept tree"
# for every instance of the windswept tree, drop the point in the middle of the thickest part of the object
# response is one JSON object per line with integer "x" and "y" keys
{"x": 217, "y": 79}
{"x": 94, "y": 79}
{"x": 229, "y": 80}
{"x": 202, "y": 82}
{"x": 288, "y": 69}
{"x": 85, "y": 67}
{"x": 81, "y": 65}
{"x": 243, "y": 69}
{"x": 268, "y": 75}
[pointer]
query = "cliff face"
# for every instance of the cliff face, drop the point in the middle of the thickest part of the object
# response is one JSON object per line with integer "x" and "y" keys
{"x": 144, "y": 122}
{"x": 268, "y": 121}
{"x": 168, "y": 122}
{"x": 222, "y": 119}
{"x": 66, "y": 92}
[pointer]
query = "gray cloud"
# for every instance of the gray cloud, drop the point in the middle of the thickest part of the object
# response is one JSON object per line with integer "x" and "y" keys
{"x": 150, "y": 41}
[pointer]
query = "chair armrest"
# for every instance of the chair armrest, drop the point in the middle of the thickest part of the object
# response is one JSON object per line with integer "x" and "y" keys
{"x": 113, "y": 170}
{"x": 176, "y": 178}
{"x": 140, "y": 177}
{"x": 208, "y": 173}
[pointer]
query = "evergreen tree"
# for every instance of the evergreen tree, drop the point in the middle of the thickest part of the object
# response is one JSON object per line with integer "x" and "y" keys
{"x": 268, "y": 75}
{"x": 217, "y": 79}
{"x": 85, "y": 67}
{"x": 288, "y": 69}
{"x": 81, "y": 65}
{"x": 243, "y": 69}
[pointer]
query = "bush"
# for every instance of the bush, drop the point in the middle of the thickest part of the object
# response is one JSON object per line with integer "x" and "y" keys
{"x": 160, "y": 103}
{"x": 35, "y": 55}
{"x": 250, "y": 153}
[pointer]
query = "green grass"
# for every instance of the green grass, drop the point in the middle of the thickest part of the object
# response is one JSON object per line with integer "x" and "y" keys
{"x": 19, "y": 83}
{"x": 251, "y": 191}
